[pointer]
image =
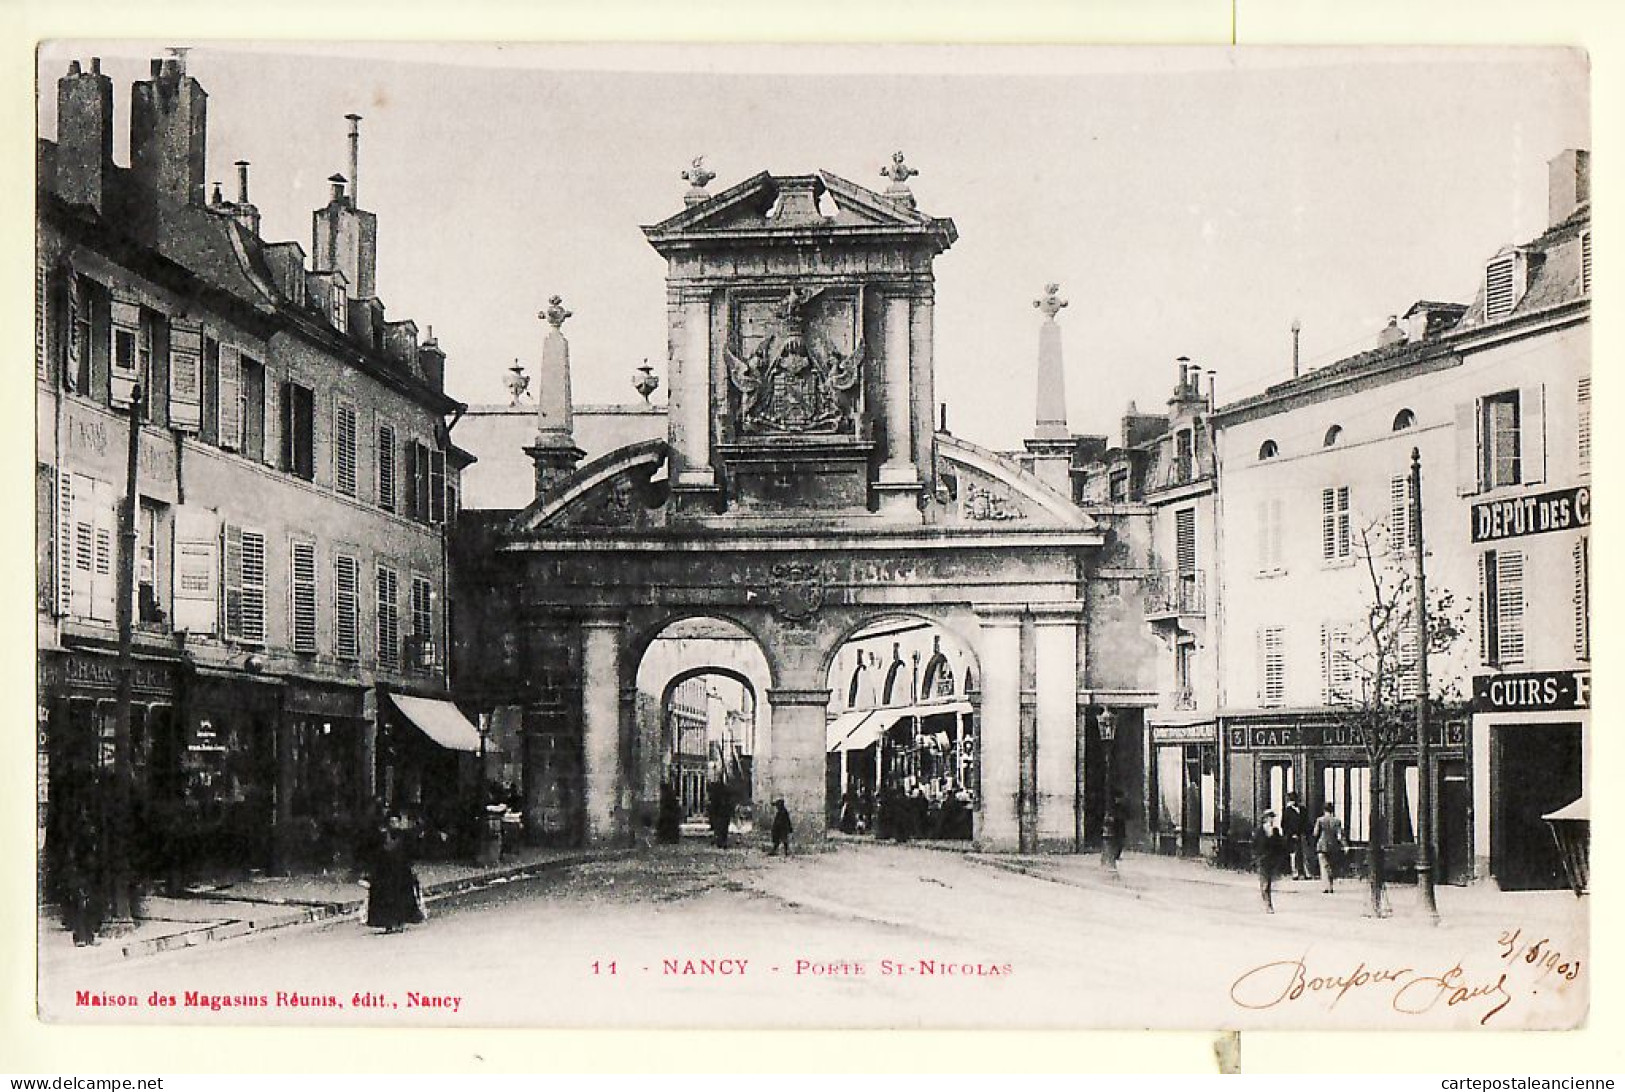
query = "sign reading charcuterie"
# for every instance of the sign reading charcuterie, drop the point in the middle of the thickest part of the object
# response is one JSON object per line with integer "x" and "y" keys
{"x": 1515, "y": 517}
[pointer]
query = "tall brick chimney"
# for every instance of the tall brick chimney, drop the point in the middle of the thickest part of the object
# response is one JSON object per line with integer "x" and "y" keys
{"x": 84, "y": 135}
{"x": 1569, "y": 183}
{"x": 168, "y": 129}
{"x": 343, "y": 237}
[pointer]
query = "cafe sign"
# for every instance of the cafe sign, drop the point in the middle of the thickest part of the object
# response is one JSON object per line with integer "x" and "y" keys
{"x": 1275, "y": 737}
{"x": 1532, "y": 692}
{"x": 1516, "y": 517}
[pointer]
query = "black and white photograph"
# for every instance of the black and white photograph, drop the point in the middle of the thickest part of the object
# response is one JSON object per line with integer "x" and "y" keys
{"x": 813, "y": 537}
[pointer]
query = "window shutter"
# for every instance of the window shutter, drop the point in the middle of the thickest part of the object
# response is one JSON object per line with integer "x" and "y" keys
{"x": 346, "y": 608}
{"x": 302, "y": 602}
{"x": 1532, "y": 433}
{"x": 185, "y": 375}
{"x": 1328, "y": 524}
{"x": 74, "y": 347}
{"x": 42, "y": 314}
{"x": 82, "y": 544}
{"x": 1185, "y": 539}
{"x": 411, "y": 451}
{"x": 231, "y": 416}
{"x": 1345, "y": 536}
{"x": 253, "y": 586}
{"x": 104, "y": 580}
{"x": 1582, "y": 599}
{"x": 386, "y": 468}
{"x": 389, "y": 623}
{"x": 1272, "y": 666}
{"x": 1585, "y": 262}
{"x": 197, "y": 570}
{"x": 1487, "y": 608}
{"x": 1406, "y": 663}
{"x": 1326, "y": 690}
{"x": 1582, "y": 422}
{"x": 421, "y": 459}
{"x": 437, "y": 493}
{"x": 231, "y": 579}
{"x": 1467, "y": 449}
{"x": 64, "y": 542}
{"x": 1509, "y": 599}
{"x": 344, "y": 448}
{"x": 1500, "y": 290}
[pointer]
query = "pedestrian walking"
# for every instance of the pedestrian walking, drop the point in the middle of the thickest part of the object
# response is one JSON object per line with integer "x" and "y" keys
{"x": 1269, "y": 854}
{"x": 394, "y": 898}
{"x": 1328, "y": 844}
{"x": 668, "y": 816}
{"x": 849, "y": 813}
{"x": 720, "y": 811}
{"x": 1111, "y": 835}
{"x": 1295, "y": 829}
{"x": 781, "y": 828}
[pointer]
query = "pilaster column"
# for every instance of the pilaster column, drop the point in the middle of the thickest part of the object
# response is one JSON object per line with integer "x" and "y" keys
{"x": 601, "y": 727}
{"x": 796, "y": 763}
{"x": 899, "y": 468}
{"x": 692, "y": 421}
{"x": 998, "y": 825}
{"x": 1055, "y": 639}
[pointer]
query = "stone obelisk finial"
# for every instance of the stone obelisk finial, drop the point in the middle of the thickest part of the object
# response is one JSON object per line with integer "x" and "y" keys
{"x": 554, "y": 452}
{"x": 1050, "y": 422}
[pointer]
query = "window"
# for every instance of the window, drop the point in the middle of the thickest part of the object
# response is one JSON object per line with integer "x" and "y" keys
{"x": 1268, "y": 450}
{"x": 437, "y": 486}
{"x": 1117, "y": 489}
{"x": 209, "y": 418}
{"x": 244, "y": 583}
{"x": 1500, "y": 286}
{"x": 1276, "y": 781}
{"x": 1272, "y": 665}
{"x": 1406, "y": 663}
{"x": 1582, "y": 422}
{"x": 1269, "y": 535}
{"x": 346, "y": 608}
{"x": 1347, "y": 790}
{"x": 1184, "y": 450}
{"x": 425, "y": 483}
{"x": 1337, "y": 663}
{"x": 1184, "y": 675}
{"x": 344, "y": 449}
{"x": 1403, "y": 420}
{"x": 302, "y": 597}
{"x": 1582, "y": 599}
{"x": 251, "y": 407}
{"x": 1401, "y": 527}
{"x": 78, "y": 362}
{"x": 340, "y": 308}
{"x": 126, "y": 335}
{"x": 150, "y": 570}
{"x": 386, "y": 468}
{"x": 422, "y": 622}
{"x": 1500, "y": 606}
{"x": 299, "y": 430}
{"x": 1333, "y": 434}
{"x": 1336, "y": 539}
{"x": 1407, "y": 792}
{"x": 87, "y": 520}
{"x": 389, "y": 622}
{"x": 1499, "y": 450}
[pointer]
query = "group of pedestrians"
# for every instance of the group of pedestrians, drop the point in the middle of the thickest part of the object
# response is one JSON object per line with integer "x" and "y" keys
{"x": 1282, "y": 844}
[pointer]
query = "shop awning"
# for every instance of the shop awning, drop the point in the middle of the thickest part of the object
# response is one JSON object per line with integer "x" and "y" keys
{"x": 838, "y": 729}
{"x": 441, "y": 721}
{"x": 1577, "y": 810}
{"x": 856, "y": 729}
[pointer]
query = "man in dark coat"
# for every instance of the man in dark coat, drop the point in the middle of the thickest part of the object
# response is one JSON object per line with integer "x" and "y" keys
{"x": 668, "y": 817}
{"x": 781, "y": 828}
{"x": 1295, "y": 830}
{"x": 1269, "y": 854}
{"x": 719, "y": 808}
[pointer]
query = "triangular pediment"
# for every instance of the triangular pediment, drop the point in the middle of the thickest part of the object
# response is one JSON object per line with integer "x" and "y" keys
{"x": 987, "y": 490}
{"x": 770, "y": 204}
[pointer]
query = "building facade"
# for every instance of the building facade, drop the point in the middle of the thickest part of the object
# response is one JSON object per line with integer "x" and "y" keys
{"x": 293, "y": 477}
{"x": 1494, "y": 399}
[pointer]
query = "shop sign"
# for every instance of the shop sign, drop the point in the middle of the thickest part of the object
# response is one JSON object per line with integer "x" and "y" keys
{"x": 1272, "y": 737}
{"x": 1184, "y": 733}
{"x": 101, "y": 673}
{"x": 1532, "y": 692}
{"x": 322, "y": 701}
{"x": 1515, "y": 517}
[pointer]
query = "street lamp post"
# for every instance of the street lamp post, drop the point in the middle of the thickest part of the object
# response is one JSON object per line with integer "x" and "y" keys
{"x": 1424, "y": 744}
{"x": 1111, "y": 845}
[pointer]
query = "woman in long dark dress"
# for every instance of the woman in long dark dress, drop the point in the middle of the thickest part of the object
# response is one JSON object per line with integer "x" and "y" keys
{"x": 392, "y": 901}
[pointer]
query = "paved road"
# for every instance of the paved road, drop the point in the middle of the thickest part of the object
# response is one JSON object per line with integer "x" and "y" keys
{"x": 884, "y": 936}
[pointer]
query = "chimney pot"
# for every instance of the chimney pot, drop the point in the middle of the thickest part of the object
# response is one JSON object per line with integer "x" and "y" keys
{"x": 242, "y": 181}
{"x": 157, "y": 67}
{"x": 73, "y": 68}
{"x": 95, "y": 66}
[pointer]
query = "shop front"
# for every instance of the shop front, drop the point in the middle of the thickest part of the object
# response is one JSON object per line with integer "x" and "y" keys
{"x": 227, "y": 807}
{"x": 922, "y": 753}
{"x": 428, "y": 772}
{"x": 1325, "y": 763}
{"x": 1529, "y": 733}
{"x": 1183, "y": 794}
{"x": 326, "y": 758}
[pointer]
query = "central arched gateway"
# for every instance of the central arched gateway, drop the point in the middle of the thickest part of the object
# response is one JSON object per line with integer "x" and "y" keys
{"x": 801, "y": 495}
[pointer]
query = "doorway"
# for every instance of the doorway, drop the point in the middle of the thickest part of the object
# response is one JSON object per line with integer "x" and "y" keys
{"x": 1536, "y": 768}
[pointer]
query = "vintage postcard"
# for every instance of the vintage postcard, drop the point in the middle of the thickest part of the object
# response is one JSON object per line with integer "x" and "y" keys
{"x": 775, "y": 537}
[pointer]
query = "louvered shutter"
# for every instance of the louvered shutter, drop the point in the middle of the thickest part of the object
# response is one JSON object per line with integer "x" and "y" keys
{"x": 231, "y": 579}
{"x": 344, "y": 448}
{"x": 104, "y": 575}
{"x": 197, "y": 570}
{"x": 253, "y": 586}
{"x": 1582, "y": 599}
{"x": 1487, "y": 651}
{"x": 83, "y": 546}
{"x": 231, "y": 415}
{"x": 1532, "y": 434}
{"x": 1185, "y": 540}
{"x": 1585, "y": 262}
{"x": 1328, "y": 524}
{"x": 64, "y": 542}
{"x": 1510, "y": 605}
{"x": 186, "y": 375}
{"x": 386, "y": 468}
{"x": 1500, "y": 290}
{"x": 437, "y": 489}
{"x": 410, "y": 450}
{"x": 1326, "y": 663}
{"x": 1468, "y": 459}
{"x": 1406, "y": 674}
{"x": 42, "y": 315}
{"x": 346, "y": 608}
{"x": 302, "y": 596}
{"x": 1582, "y": 421}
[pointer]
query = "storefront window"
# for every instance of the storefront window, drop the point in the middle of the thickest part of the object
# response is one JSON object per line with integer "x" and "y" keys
{"x": 1277, "y": 782}
{"x": 1346, "y": 788}
{"x": 1407, "y": 788}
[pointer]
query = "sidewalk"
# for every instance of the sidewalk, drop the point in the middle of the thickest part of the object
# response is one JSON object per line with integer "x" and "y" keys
{"x": 274, "y": 902}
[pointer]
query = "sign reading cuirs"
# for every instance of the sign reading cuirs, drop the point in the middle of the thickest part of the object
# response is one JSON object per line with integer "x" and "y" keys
{"x": 1515, "y": 517}
{"x": 1532, "y": 692}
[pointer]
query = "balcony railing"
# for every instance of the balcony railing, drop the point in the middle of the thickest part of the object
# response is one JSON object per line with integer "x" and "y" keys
{"x": 1172, "y": 594}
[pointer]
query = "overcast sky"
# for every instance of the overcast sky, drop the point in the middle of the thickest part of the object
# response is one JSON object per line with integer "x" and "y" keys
{"x": 1189, "y": 201}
